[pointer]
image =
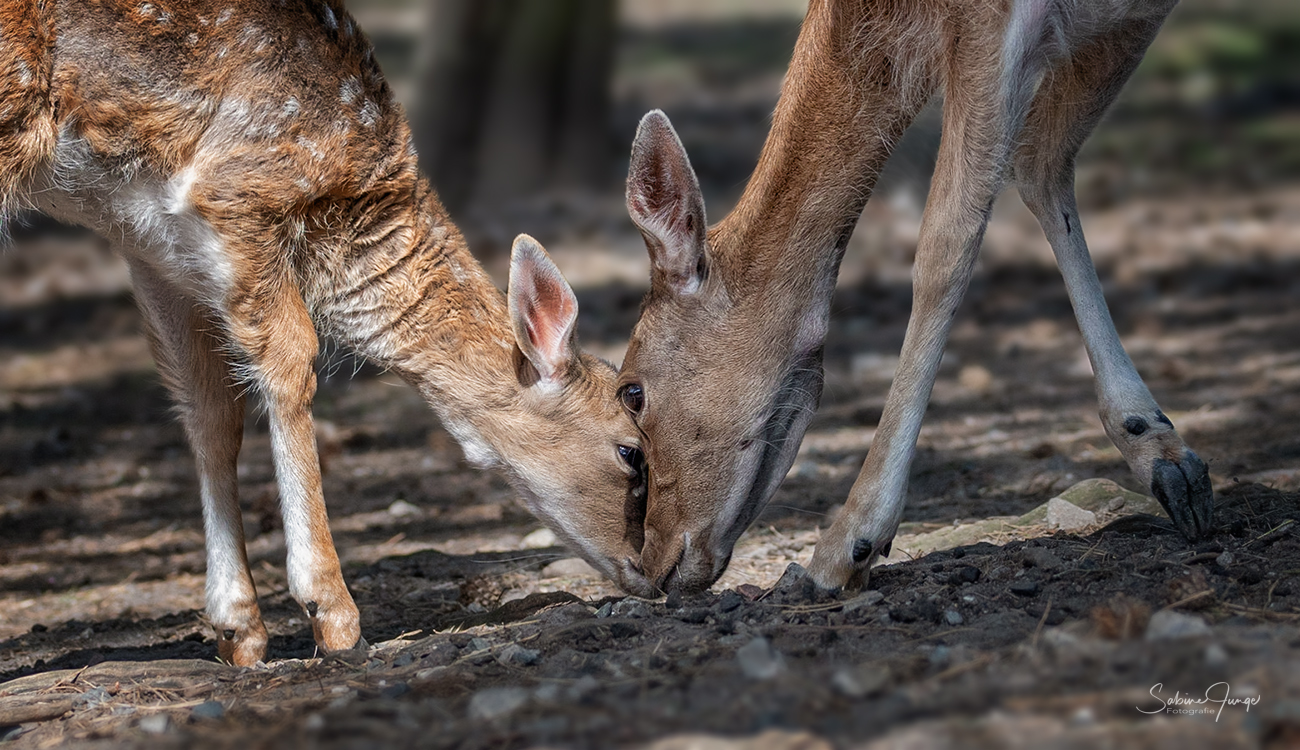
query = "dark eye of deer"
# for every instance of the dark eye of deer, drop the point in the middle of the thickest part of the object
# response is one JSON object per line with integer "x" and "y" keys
{"x": 632, "y": 457}
{"x": 633, "y": 399}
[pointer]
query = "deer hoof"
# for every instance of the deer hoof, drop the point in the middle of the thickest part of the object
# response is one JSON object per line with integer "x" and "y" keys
{"x": 242, "y": 647}
{"x": 336, "y": 627}
{"x": 1183, "y": 489}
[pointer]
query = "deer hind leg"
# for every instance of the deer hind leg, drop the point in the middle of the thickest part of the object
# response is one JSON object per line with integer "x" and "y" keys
{"x": 991, "y": 77}
{"x": 269, "y": 323}
{"x": 188, "y": 348}
{"x": 1068, "y": 106}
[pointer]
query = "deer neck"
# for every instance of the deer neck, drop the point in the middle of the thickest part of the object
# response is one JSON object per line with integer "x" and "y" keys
{"x": 844, "y": 105}
{"x": 420, "y": 305}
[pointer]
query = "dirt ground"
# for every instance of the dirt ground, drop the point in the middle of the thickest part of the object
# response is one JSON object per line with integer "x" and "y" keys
{"x": 987, "y": 627}
{"x": 488, "y": 635}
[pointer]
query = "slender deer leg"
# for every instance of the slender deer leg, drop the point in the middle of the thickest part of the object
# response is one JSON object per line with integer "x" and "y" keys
{"x": 271, "y": 326}
{"x": 187, "y": 346}
{"x": 1065, "y": 112}
{"x": 981, "y": 116}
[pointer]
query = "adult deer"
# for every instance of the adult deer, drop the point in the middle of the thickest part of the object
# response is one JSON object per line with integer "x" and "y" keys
{"x": 724, "y": 368}
{"x": 249, "y": 162}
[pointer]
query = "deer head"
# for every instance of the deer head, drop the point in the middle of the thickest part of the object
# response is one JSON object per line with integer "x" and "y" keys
{"x": 566, "y": 444}
{"x": 709, "y": 376}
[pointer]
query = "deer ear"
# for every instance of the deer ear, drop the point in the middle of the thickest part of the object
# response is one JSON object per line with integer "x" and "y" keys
{"x": 543, "y": 310}
{"x": 665, "y": 202}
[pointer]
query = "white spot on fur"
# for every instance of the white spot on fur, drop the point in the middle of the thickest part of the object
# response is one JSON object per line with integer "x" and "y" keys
{"x": 349, "y": 90}
{"x": 330, "y": 19}
{"x": 369, "y": 114}
{"x": 24, "y": 73}
{"x": 477, "y": 451}
{"x": 225, "y": 15}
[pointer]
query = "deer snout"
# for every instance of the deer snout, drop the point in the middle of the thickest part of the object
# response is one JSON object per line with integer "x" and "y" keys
{"x": 679, "y": 562}
{"x": 630, "y": 578}
{"x": 659, "y": 556}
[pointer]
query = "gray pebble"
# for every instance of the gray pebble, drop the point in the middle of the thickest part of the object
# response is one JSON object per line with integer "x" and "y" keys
{"x": 1170, "y": 624}
{"x": 759, "y": 661}
{"x": 209, "y": 710}
{"x": 495, "y": 703}
{"x": 155, "y": 724}
{"x": 519, "y": 656}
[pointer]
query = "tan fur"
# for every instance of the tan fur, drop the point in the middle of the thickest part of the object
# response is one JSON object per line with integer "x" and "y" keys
{"x": 728, "y": 347}
{"x": 249, "y": 161}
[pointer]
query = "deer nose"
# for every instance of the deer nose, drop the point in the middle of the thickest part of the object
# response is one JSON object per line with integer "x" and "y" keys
{"x": 694, "y": 571}
{"x": 659, "y": 556}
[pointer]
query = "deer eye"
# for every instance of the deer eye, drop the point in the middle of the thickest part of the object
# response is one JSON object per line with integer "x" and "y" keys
{"x": 631, "y": 456}
{"x": 633, "y": 398}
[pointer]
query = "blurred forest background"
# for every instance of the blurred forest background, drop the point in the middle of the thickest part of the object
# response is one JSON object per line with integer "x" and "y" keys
{"x": 525, "y": 109}
{"x": 524, "y": 112}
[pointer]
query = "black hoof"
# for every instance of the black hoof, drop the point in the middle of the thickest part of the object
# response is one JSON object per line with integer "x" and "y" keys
{"x": 1184, "y": 491}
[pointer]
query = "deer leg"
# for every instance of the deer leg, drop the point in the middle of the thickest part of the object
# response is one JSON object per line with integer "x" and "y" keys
{"x": 270, "y": 324}
{"x": 988, "y": 93}
{"x": 187, "y": 346}
{"x": 1064, "y": 113}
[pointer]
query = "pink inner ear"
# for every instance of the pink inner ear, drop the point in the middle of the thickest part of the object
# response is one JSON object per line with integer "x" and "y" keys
{"x": 546, "y": 314}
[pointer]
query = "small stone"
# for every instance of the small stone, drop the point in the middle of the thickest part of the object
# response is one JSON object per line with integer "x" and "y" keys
{"x": 976, "y": 379}
{"x": 940, "y": 656}
{"x": 605, "y": 610}
{"x": 1215, "y": 655}
{"x": 496, "y": 703}
{"x": 1066, "y": 516}
{"x": 864, "y": 600}
{"x": 860, "y": 681}
{"x": 759, "y": 661}
{"x": 540, "y": 539}
{"x": 404, "y": 659}
{"x": 674, "y": 599}
{"x": 513, "y": 595}
{"x": 403, "y": 509}
{"x": 1040, "y": 557}
{"x": 693, "y": 616}
{"x": 209, "y": 710}
{"x": 1115, "y": 504}
{"x": 91, "y": 698}
{"x": 750, "y": 591}
{"x": 519, "y": 656}
{"x": 1170, "y": 624}
{"x": 729, "y": 601}
{"x": 631, "y": 607}
{"x": 586, "y": 685}
{"x": 396, "y": 690}
{"x": 953, "y": 617}
{"x": 479, "y": 644}
{"x": 569, "y": 567}
{"x": 440, "y": 654}
{"x": 155, "y": 724}
{"x": 796, "y": 586}
{"x": 1024, "y": 588}
{"x": 964, "y": 574}
{"x": 1225, "y": 560}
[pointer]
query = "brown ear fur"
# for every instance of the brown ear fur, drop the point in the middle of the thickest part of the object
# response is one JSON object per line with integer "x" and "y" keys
{"x": 665, "y": 202}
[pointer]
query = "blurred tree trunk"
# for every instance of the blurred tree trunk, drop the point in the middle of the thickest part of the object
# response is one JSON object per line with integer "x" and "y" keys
{"x": 515, "y": 99}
